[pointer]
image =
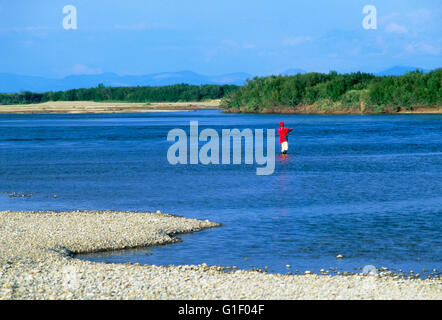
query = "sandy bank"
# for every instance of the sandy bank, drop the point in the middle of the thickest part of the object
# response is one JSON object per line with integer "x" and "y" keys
{"x": 105, "y": 107}
{"x": 35, "y": 263}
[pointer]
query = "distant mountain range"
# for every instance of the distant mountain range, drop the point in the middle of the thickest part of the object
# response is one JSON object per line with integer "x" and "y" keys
{"x": 10, "y": 83}
{"x": 15, "y": 83}
{"x": 399, "y": 70}
{"x": 291, "y": 72}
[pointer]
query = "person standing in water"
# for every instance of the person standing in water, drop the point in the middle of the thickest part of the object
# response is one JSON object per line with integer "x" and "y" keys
{"x": 283, "y": 140}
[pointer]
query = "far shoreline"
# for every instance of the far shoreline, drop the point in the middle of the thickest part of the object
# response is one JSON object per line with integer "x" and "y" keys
{"x": 311, "y": 110}
{"x": 92, "y": 107}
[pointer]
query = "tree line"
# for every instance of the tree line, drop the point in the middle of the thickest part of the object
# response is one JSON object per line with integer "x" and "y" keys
{"x": 358, "y": 92}
{"x": 171, "y": 93}
{"x": 351, "y": 92}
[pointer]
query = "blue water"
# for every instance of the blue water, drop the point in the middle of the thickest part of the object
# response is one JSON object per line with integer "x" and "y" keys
{"x": 366, "y": 187}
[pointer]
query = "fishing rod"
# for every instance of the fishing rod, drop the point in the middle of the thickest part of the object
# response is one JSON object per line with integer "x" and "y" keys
{"x": 299, "y": 123}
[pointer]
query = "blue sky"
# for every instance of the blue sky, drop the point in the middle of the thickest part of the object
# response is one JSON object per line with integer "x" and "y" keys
{"x": 216, "y": 37}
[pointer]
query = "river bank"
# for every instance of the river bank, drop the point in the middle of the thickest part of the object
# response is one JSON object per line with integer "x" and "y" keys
{"x": 84, "y": 107}
{"x": 315, "y": 110}
{"x": 36, "y": 262}
{"x": 105, "y": 107}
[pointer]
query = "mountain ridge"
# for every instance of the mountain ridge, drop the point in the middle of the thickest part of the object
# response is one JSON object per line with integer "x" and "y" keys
{"x": 13, "y": 83}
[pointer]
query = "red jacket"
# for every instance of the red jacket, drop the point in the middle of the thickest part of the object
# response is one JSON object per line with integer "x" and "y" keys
{"x": 283, "y": 132}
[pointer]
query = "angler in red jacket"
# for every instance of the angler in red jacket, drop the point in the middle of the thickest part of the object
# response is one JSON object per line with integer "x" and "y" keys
{"x": 283, "y": 140}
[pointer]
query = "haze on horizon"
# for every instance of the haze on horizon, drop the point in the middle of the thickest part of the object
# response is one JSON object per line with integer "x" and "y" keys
{"x": 252, "y": 36}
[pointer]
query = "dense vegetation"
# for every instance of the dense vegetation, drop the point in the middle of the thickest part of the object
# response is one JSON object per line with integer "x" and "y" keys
{"x": 333, "y": 92}
{"x": 311, "y": 92}
{"x": 172, "y": 93}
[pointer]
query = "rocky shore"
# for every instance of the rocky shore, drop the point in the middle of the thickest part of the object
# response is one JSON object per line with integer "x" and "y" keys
{"x": 36, "y": 262}
{"x": 328, "y": 110}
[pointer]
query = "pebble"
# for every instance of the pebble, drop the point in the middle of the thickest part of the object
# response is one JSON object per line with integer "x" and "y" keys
{"x": 39, "y": 263}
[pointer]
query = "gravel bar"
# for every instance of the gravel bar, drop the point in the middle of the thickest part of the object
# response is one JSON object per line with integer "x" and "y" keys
{"x": 36, "y": 262}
